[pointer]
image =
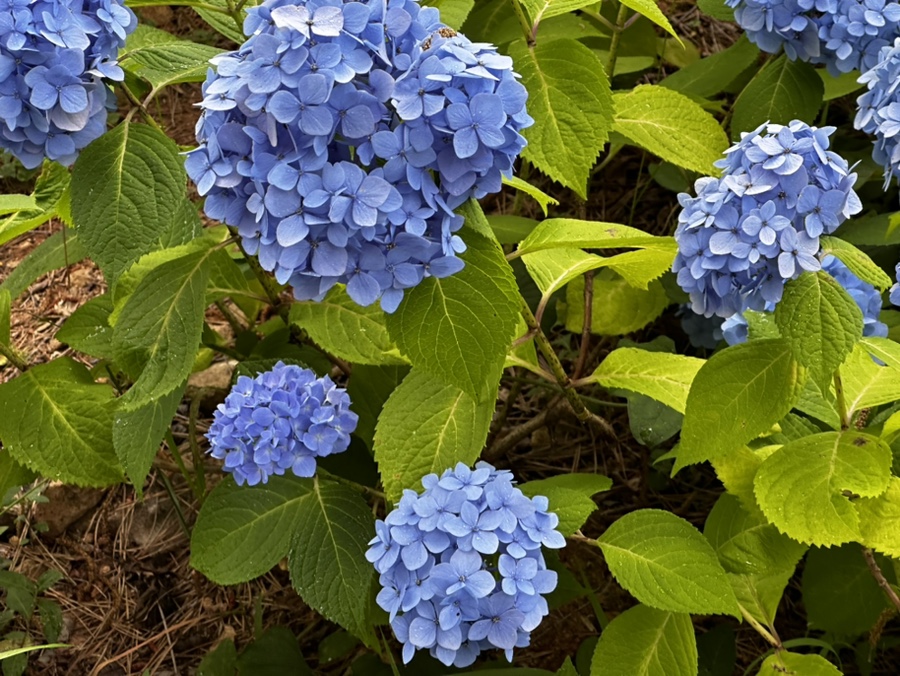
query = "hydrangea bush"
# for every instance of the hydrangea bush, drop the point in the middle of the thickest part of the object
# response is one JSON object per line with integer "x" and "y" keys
{"x": 377, "y": 324}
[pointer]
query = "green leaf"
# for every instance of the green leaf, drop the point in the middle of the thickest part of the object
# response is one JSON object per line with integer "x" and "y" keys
{"x": 275, "y": 653}
{"x": 166, "y": 64}
{"x": 843, "y": 84}
{"x": 792, "y": 664}
{"x": 568, "y": 233}
{"x": 859, "y": 263}
{"x": 571, "y": 102}
{"x": 800, "y": 487}
{"x": 511, "y": 229}
{"x": 818, "y": 405}
{"x": 427, "y": 426}
{"x": 874, "y": 230}
{"x": 570, "y": 497}
{"x": 5, "y": 319}
{"x": 453, "y": 12}
{"x": 459, "y": 328}
{"x": 661, "y": 376}
{"x": 782, "y": 91}
{"x": 821, "y": 321}
{"x": 716, "y": 9}
{"x": 665, "y": 563}
{"x": 48, "y": 191}
{"x": 243, "y": 531}
{"x": 87, "y": 329}
{"x": 650, "y": 9}
{"x": 57, "y": 421}
{"x": 222, "y": 661}
{"x": 644, "y": 641}
{"x": 544, "y": 9}
{"x": 12, "y": 474}
{"x": 369, "y": 389}
{"x": 538, "y": 195}
{"x": 737, "y": 395}
{"x": 866, "y": 384}
{"x": 51, "y": 618}
{"x": 712, "y": 75}
{"x": 618, "y": 308}
{"x": 671, "y": 126}
{"x": 884, "y": 349}
{"x": 130, "y": 184}
{"x": 11, "y": 203}
{"x": 567, "y": 668}
{"x": 60, "y": 249}
{"x": 839, "y": 592}
{"x": 327, "y": 562}
{"x": 879, "y": 520}
{"x": 343, "y": 328}
{"x": 221, "y": 20}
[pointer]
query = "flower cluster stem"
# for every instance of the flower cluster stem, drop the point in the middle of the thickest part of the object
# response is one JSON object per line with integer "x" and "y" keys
{"x": 13, "y": 357}
{"x": 841, "y": 401}
{"x": 618, "y": 29}
{"x": 877, "y": 573}
{"x": 527, "y": 29}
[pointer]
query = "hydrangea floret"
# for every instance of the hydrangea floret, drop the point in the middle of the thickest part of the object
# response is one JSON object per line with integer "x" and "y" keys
{"x": 878, "y": 110}
{"x": 844, "y": 35}
{"x": 281, "y": 420}
{"x": 461, "y": 564}
{"x": 744, "y": 235}
{"x": 54, "y": 58}
{"x": 341, "y": 136}
{"x": 895, "y": 290}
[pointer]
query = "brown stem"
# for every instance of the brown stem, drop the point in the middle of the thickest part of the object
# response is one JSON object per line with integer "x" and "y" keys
{"x": 506, "y": 443}
{"x": 584, "y": 348}
{"x": 875, "y": 569}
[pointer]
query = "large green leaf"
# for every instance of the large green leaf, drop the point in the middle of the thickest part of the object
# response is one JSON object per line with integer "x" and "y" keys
{"x": 343, "y": 328}
{"x": 453, "y": 12}
{"x": 11, "y": 203}
{"x": 801, "y": 487}
{"x": 12, "y": 474}
{"x": 667, "y": 564}
{"x": 57, "y": 421}
{"x": 712, "y": 75}
{"x": 570, "y": 497}
{"x": 618, "y": 307}
{"x": 737, "y": 395}
{"x": 566, "y": 233}
{"x": 49, "y": 189}
{"x": 651, "y": 10}
{"x": 859, "y": 263}
{"x": 867, "y": 384}
{"x": 88, "y": 330}
{"x": 782, "y": 91}
{"x": 571, "y": 103}
{"x": 664, "y": 377}
{"x": 821, "y": 321}
{"x": 879, "y": 520}
{"x": 644, "y": 641}
{"x": 884, "y": 349}
{"x": 243, "y": 531}
{"x": 128, "y": 186}
{"x": 427, "y": 426}
{"x": 544, "y": 9}
{"x": 327, "y": 561}
{"x": 789, "y": 664}
{"x": 170, "y": 63}
{"x": 60, "y": 249}
{"x": 671, "y": 126}
{"x": 275, "y": 653}
{"x": 459, "y": 328}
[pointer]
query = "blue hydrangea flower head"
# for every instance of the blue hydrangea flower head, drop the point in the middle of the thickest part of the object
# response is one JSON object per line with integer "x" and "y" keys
{"x": 461, "y": 565}
{"x": 844, "y": 35}
{"x": 340, "y": 137}
{"x": 895, "y": 290}
{"x": 747, "y": 233}
{"x": 55, "y": 56}
{"x": 281, "y": 420}
{"x": 878, "y": 109}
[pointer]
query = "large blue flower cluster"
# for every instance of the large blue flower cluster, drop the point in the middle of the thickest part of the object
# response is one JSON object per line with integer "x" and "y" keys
{"x": 281, "y": 420}
{"x": 341, "y": 136}
{"x": 745, "y": 234}
{"x": 54, "y": 55}
{"x": 878, "y": 109}
{"x": 843, "y": 35}
{"x": 461, "y": 564}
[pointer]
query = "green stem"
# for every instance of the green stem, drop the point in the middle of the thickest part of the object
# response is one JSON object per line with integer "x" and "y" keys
{"x": 176, "y": 455}
{"x": 598, "y": 17}
{"x": 841, "y": 401}
{"x": 770, "y": 636}
{"x": 527, "y": 30}
{"x": 196, "y": 455}
{"x": 621, "y": 18}
{"x": 170, "y": 489}
{"x": 13, "y": 357}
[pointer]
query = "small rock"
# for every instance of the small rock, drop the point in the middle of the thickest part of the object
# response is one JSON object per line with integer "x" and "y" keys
{"x": 65, "y": 505}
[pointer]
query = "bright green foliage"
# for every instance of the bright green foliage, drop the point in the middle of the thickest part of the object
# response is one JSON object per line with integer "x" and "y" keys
{"x": 544, "y": 9}
{"x": 758, "y": 559}
{"x": 667, "y": 564}
{"x": 343, "y": 328}
{"x": 243, "y": 531}
{"x": 459, "y": 328}
{"x": 427, "y": 426}
{"x": 650, "y": 9}
{"x": 671, "y": 126}
{"x": 571, "y": 103}
{"x": 570, "y": 497}
{"x": 879, "y": 520}
{"x": 782, "y": 91}
{"x": 800, "y": 488}
{"x": 57, "y": 421}
{"x": 843, "y": 84}
{"x": 821, "y": 321}
{"x": 867, "y": 384}
{"x": 170, "y": 63}
{"x": 48, "y": 191}
{"x": 275, "y": 653}
{"x": 566, "y": 233}
{"x": 737, "y": 471}
{"x": 709, "y": 76}
{"x": 858, "y": 262}
{"x": 88, "y": 330}
{"x": 12, "y": 474}
{"x": 884, "y": 349}
{"x": 11, "y": 203}
{"x": 327, "y": 563}
{"x": 839, "y": 592}
{"x": 644, "y": 641}
{"x": 664, "y": 377}
{"x": 618, "y": 308}
{"x": 819, "y": 405}
{"x": 567, "y": 669}
{"x": 737, "y": 395}
{"x": 789, "y": 664}
{"x": 129, "y": 184}
{"x": 453, "y": 12}
{"x": 60, "y": 249}
{"x": 511, "y": 229}
{"x": 538, "y": 195}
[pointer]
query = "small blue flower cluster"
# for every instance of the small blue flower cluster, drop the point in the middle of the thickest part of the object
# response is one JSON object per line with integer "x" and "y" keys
{"x": 843, "y": 35}
{"x": 461, "y": 564}
{"x": 702, "y": 332}
{"x": 281, "y": 420}
{"x": 342, "y": 135}
{"x": 878, "y": 110}
{"x": 895, "y": 290}
{"x": 745, "y": 234}
{"x": 54, "y": 55}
